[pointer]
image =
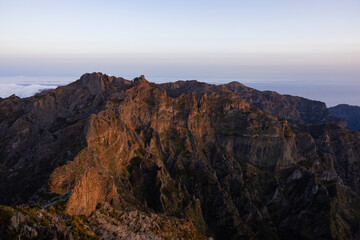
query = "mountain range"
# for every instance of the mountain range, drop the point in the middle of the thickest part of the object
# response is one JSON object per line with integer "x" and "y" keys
{"x": 110, "y": 158}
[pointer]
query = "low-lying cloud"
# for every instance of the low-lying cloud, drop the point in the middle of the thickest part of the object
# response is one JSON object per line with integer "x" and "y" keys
{"x": 22, "y": 91}
{"x": 28, "y": 86}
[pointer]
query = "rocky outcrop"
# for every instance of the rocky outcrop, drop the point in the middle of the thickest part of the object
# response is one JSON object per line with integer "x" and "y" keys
{"x": 351, "y": 114}
{"x": 85, "y": 195}
{"x": 41, "y": 133}
{"x": 224, "y": 161}
{"x": 113, "y": 223}
{"x": 339, "y": 147}
{"x": 22, "y": 222}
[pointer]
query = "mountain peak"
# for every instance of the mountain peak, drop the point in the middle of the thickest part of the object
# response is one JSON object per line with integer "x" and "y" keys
{"x": 140, "y": 79}
{"x": 223, "y": 161}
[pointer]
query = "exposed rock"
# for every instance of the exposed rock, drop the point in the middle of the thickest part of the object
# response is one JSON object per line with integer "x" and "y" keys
{"x": 85, "y": 195}
{"x": 29, "y": 232}
{"x": 116, "y": 224}
{"x": 17, "y": 219}
{"x": 222, "y": 161}
{"x": 294, "y": 109}
{"x": 23, "y": 222}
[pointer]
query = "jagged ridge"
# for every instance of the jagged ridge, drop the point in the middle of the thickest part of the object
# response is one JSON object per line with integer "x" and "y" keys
{"x": 210, "y": 154}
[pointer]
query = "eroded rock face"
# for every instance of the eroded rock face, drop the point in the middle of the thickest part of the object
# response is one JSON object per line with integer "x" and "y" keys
{"x": 217, "y": 156}
{"x": 85, "y": 195}
{"x": 40, "y": 133}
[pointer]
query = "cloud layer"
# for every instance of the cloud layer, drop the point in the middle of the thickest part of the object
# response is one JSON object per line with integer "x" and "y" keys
{"x": 28, "y": 86}
{"x": 22, "y": 91}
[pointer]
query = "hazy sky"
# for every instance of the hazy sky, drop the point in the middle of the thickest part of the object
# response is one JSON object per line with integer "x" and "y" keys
{"x": 276, "y": 40}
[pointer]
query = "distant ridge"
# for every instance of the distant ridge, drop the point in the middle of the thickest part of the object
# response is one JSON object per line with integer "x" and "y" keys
{"x": 351, "y": 114}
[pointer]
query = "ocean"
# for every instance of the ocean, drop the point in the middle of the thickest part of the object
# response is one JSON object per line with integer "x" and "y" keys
{"x": 330, "y": 92}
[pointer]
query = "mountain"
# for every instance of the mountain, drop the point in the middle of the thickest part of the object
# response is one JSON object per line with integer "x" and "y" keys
{"x": 110, "y": 158}
{"x": 285, "y": 107}
{"x": 351, "y": 114}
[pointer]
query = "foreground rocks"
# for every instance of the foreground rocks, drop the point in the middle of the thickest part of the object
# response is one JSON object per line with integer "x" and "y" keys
{"x": 26, "y": 222}
{"x": 187, "y": 160}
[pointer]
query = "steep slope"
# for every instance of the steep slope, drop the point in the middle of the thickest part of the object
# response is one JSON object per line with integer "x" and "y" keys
{"x": 193, "y": 153}
{"x": 43, "y": 132}
{"x": 351, "y": 114}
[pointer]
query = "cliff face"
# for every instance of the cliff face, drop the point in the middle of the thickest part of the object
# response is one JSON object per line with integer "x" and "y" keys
{"x": 224, "y": 158}
{"x": 351, "y": 114}
{"x": 43, "y": 132}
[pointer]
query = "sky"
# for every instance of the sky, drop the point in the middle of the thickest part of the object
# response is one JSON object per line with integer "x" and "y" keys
{"x": 307, "y": 40}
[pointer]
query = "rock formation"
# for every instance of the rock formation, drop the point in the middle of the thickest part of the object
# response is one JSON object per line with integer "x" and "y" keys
{"x": 184, "y": 160}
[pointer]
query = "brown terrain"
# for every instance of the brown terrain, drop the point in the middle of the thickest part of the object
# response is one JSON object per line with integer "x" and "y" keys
{"x": 109, "y": 158}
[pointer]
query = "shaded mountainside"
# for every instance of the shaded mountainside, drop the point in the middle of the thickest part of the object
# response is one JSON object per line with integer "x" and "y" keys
{"x": 294, "y": 109}
{"x": 351, "y": 114}
{"x": 129, "y": 159}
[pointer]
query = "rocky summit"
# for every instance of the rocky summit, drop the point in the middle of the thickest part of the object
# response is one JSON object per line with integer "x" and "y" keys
{"x": 109, "y": 158}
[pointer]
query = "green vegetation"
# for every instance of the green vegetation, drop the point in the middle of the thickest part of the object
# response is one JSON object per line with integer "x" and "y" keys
{"x": 78, "y": 228}
{"x": 5, "y": 214}
{"x": 52, "y": 210}
{"x": 36, "y": 218}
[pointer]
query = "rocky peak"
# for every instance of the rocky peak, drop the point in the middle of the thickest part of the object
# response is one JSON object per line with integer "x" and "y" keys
{"x": 214, "y": 155}
{"x": 140, "y": 80}
{"x": 234, "y": 84}
{"x": 94, "y": 82}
